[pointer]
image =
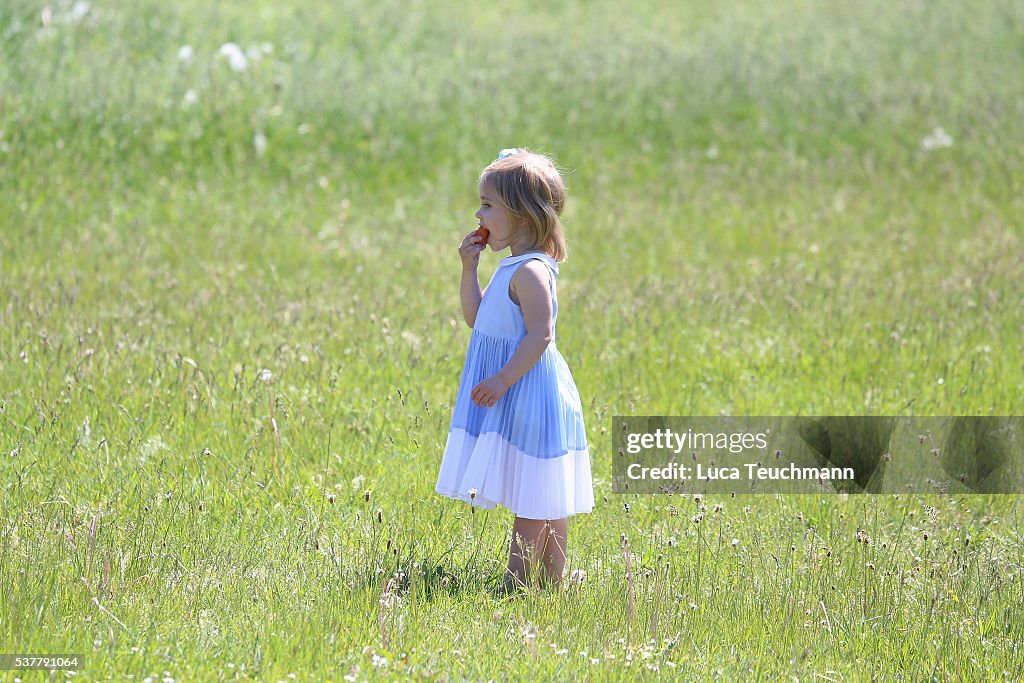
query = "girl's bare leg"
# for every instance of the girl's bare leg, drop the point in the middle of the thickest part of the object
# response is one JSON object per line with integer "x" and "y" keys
{"x": 537, "y": 539}
{"x": 554, "y": 553}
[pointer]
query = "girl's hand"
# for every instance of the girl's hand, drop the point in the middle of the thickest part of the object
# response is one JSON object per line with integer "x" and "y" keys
{"x": 487, "y": 393}
{"x": 470, "y": 250}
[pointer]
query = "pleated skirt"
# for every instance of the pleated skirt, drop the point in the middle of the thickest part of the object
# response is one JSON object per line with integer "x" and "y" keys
{"x": 528, "y": 452}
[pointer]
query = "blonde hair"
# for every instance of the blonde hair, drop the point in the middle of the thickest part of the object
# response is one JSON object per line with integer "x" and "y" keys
{"x": 533, "y": 192}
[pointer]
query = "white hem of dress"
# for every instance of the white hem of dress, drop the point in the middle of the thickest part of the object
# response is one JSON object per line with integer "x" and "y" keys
{"x": 531, "y": 487}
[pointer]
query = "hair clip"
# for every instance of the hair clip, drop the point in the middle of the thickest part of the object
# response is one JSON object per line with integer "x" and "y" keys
{"x": 508, "y": 152}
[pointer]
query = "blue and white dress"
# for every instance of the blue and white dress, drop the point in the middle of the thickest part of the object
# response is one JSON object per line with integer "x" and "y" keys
{"x": 527, "y": 452}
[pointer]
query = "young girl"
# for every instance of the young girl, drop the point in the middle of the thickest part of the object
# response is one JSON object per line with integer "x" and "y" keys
{"x": 517, "y": 436}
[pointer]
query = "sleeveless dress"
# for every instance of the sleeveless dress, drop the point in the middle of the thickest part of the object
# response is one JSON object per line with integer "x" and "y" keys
{"x": 528, "y": 452}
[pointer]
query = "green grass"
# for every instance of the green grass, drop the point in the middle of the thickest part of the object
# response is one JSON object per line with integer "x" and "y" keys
{"x": 755, "y": 227}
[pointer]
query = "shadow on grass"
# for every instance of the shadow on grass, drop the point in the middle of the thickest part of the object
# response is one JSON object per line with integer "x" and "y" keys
{"x": 431, "y": 580}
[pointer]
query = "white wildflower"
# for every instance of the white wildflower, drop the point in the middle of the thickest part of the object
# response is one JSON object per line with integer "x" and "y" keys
{"x": 152, "y": 446}
{"x": 79, "y": 10}
{"x": 191, "y": 97}
{"x": 236, "y": 58}
{"x": 938, "y": 139}
{"x": 259, "y": 141}
{"x": 413, "y": 340}
{"x": 390, "y": 601}
{"x": 76, "y": 13}
{"x": 186, "y": 53}
{"x": 265, "y": 375}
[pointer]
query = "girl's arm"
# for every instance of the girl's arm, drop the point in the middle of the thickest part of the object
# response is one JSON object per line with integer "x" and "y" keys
{"x": 531, "y": 285}
{"x": 471, "y": 295}
{"x": 469, "y": 252}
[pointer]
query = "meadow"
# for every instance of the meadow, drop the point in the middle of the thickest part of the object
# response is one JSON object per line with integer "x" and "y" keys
{"x": 230, "y": 333}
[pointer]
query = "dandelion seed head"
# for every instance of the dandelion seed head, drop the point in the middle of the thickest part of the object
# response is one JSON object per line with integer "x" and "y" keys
{"x": 77, "y": 12}
{"x": 236, "y": 58}
{"x": 938, "y": 139}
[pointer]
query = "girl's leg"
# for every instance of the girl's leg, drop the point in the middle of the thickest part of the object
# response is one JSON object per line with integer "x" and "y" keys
{"x": 554, "y": 553}
{"x": 537, "y": 539}
{"x": 527, "y": 536}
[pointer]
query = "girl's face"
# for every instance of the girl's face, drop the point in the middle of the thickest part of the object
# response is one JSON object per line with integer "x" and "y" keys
{"x": 493, "y": 216}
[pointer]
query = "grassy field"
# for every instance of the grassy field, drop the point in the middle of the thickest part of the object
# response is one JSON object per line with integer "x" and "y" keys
{"x": 775, "y": 208}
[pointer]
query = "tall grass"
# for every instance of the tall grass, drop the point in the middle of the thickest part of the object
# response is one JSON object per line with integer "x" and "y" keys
{"x": 756, "y": 226}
